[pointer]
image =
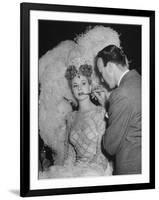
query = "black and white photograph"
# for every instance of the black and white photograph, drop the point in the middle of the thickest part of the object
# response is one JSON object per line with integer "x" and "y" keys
{"x": 88, "y": 88}
{"x": 79, "y": 133}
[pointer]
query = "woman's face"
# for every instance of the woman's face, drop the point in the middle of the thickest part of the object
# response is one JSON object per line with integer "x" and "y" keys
{"x": 81, "y": 87}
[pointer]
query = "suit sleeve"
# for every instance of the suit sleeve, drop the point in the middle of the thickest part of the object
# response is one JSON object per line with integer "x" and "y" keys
{"x": 119, "y": 115}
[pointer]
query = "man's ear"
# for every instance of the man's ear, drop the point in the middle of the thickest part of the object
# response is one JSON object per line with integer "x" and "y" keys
{"x": 110, "y": 67}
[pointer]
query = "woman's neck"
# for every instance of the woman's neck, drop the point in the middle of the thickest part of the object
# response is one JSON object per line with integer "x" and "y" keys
{"x": 85, "y": 105}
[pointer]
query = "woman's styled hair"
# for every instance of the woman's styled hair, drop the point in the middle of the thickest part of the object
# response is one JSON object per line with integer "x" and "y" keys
{"x": 113, "y": 54}
{"x": 84, "y": 70}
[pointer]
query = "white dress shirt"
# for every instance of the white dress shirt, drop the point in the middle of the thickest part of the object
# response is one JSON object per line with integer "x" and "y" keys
{"x": 122, "y": 76}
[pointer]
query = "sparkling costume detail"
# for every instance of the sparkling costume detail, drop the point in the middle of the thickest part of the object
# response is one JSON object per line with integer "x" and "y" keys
{"x": 86, "y": 130}
{"x": 83, "y": 156}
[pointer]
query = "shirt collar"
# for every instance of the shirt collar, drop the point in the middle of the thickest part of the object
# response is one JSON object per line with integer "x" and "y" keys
{"x": 122, "y": 76}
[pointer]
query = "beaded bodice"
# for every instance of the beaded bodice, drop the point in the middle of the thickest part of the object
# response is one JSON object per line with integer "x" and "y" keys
{"x": 86, "y": 130}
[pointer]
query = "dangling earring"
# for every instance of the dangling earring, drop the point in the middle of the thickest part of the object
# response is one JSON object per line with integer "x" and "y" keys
{"x": 102, "y": 80}
{"x": 90, "y": 89}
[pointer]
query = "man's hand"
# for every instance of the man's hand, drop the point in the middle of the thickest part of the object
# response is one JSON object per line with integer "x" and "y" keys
{"x": 100, "y": 95}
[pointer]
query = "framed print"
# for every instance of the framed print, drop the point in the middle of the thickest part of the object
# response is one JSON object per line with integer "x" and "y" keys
{"x": 87, "y": 99}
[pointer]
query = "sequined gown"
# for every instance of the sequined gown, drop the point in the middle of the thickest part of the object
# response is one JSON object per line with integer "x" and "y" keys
{"x": 83, "y": 156}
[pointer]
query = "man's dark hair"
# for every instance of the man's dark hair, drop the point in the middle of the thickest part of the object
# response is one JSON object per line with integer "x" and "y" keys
{"x": 113, "y": 54}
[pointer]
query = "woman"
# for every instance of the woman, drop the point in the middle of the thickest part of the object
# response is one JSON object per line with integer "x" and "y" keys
{"x": 85, "y": 127}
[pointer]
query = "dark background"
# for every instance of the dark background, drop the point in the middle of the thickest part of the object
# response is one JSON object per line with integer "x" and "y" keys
{"x": 51, "y": 33}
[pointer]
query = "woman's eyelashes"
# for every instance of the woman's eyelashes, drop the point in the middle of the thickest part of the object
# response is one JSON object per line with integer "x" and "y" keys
{"x": 75, "y": 85}
{"x": 78, "y": 86}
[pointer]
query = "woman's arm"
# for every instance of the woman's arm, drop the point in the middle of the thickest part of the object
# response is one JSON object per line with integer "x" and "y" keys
{"x": 69, "y": 155}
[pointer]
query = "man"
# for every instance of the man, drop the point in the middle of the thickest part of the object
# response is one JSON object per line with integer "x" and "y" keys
{"x": 123, "y": 134}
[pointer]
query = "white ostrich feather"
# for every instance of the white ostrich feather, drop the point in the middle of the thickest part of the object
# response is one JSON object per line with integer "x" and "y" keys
{"x": 52, "y": 106}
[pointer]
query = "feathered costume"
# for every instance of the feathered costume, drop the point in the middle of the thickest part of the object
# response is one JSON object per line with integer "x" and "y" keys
{"x": 53, "y": 108}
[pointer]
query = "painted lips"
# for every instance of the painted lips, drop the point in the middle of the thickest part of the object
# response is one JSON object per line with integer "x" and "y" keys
{"x": 82, "y": 93}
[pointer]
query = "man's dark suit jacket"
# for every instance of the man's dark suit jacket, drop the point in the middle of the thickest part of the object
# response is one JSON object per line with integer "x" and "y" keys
{"x": 123, "y": 135}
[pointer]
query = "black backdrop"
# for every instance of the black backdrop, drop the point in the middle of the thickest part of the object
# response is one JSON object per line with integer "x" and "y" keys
{"x": 51, "y": 33}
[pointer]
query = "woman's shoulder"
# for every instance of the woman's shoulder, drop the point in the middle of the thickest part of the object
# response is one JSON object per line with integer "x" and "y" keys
{"x": 71, "y": 116}
{"x": 99, "y": 119}
{"x": 98, "y": 114}
{"x": 101, "y": 110}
